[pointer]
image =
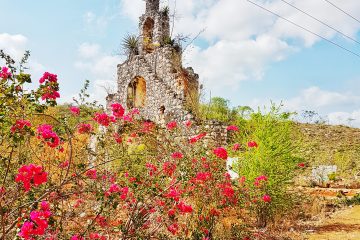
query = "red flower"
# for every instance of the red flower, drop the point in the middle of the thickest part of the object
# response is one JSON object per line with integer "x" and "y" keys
{"x": 301, "y": 165}
{"x": 147, "y": 127}
{"x": 103, "y": 119}
{"x": 171, "y": 125}
{"x": 266, "y": 198}
{"x": 221, "y": 153}
{"x": 20, "y": 125}
{"x": 171, "y": 212}
{"x": 74, "y": 110}
{"x": 64, "y": 164}
{"x": 84, "y": 128}
{"x": 177, "y": 155}
{"x": 117, "y": 138}
{"x": 169, "y": 168}
{"x": 232, "y": 128}
{"x": 92, "y": 173}
{"x": 31, "y": 175}
{"x": 259, "y": 179}
{"x": 152, "y": 168}
{"x": 188, "y": 123}
{"x": 117, "y": 110}
{"x": 174, "y": 194}
{"x": 174, "y": 228}
{"x": 4, "y": 73}
{"x": 236, "y": 147}
{"x": 252, "y": 144}
{"x": 183, "y": 208}
{"x": 203, "y": 176}
{"x": 48, "y": 135}
{"x": 197, "y": 137}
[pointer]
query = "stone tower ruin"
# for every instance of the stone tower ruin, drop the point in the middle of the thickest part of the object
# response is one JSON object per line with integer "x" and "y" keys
{"x": 153, "y": 79}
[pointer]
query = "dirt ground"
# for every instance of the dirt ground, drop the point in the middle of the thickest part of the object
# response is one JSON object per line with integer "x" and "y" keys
{"x": 342, "y": 225}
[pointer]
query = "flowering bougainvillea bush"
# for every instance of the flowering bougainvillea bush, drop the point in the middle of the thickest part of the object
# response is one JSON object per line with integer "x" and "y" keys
{"x": 81, "y": 172}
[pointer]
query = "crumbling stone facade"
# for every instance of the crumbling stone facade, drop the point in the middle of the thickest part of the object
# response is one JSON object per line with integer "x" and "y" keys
{"x": 153, "y": 80}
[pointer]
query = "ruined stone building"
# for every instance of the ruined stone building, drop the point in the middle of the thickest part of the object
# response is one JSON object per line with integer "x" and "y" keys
{"x": 152, "y": 79}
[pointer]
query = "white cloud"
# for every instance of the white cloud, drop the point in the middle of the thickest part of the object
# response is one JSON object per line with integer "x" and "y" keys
{"x": 316, "y": 98}
{"x": 14, "y": 45}
{"x": 88, "y": 50}
{"x": 101, "y": 69}
{"x": 345, "y": 118}
{"x": 96, "y": 24}
{"x": 244, "y": 39}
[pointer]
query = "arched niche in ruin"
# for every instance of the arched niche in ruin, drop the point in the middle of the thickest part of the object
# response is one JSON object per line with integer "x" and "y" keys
{"x": 136, "y": 93}
{"x": 148, "y": 33}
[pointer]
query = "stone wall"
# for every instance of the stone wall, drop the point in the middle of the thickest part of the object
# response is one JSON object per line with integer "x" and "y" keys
{"x": 155, "y": 82}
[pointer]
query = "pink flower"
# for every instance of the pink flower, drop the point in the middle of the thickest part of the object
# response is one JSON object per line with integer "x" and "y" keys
{"x": 31, "y": 175}
{"x": 74, "y": 110}
{"x": 152, "y": 168}
{"x": 232, "y": 128}
{"x": 266, "y": 198}
{"x": 64, "y": 164}
{"x": 48, "y": 77}
{"x": 171, "y": 212}
{"x": 147, "y": 127}
{"x": 183, "y": 208}
{"x": 171, "y": 125}
{"x": 236, "y": 147}
{"x": 188, "y": 123}
{"x": 96, "y": 236}
{"x": 117, "y": 138}
{"x": 177, "y": 155}
{"x": 203, "y": 176}
{"x": 258, "y": 180}
{"x": 197, "y": 137}
{"x": 4, "y": 73}
{"x": 20, "y": 125}
{"x": 174, "y": 228}
{"x": 84, "y": 128}
{"x": 50, "y": 93}
{"x": 135, "y": 111}
{"x": 128, "y": 118}
{"x": 117, "y": 110}
{"x": 39, "y": 222}
{"x": 221, "y": 153}
{"x": 48, "y": 135}
{"x": 103, "y": 119}
{"x": 174, "y": 194}
{"x": 169, "y": 168}
{"x": 76, "y": 237}
{"x": 92, "y": 173}
{"x": 252, "y": 144}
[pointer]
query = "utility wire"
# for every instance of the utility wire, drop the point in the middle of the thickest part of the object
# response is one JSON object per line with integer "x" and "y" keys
{"x": 343, "y": 11}
{"x": 307, "y": 14}
{"x": 305, "y": 29}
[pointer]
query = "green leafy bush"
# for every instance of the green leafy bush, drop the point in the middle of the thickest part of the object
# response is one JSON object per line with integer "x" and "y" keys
{"x": 269, "y": 162}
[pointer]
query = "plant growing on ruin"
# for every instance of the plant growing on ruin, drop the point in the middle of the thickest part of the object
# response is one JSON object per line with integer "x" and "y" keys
{"x": 130, "y": 44}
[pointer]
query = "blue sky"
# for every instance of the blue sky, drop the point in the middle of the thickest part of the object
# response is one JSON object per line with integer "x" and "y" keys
{"x": 245, "y": 54}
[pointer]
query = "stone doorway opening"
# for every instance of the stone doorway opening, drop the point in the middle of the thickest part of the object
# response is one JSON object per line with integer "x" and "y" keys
{"x": 136, "y": 93}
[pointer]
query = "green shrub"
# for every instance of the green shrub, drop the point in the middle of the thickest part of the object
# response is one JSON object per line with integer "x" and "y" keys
{"x": 275, "y": 157}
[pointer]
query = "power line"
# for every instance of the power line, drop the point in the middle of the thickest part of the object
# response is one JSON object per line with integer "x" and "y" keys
{"x": 307, "y": 14}
{"x": 343, "y": 11}
{"x": 305, "y": 29}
